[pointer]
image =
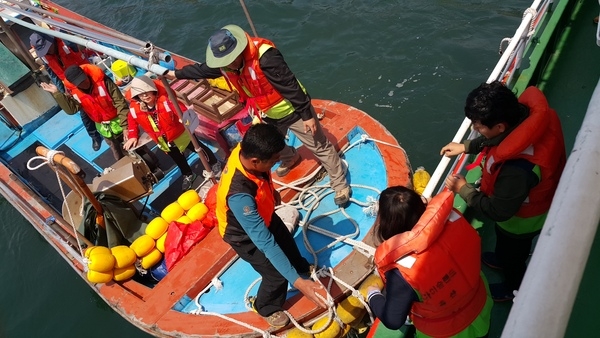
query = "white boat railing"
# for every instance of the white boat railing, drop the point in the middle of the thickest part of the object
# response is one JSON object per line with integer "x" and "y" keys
{"x": 129, "y": 58}
{"x": 504, "y": 71}
{"x": 545, "y": 300}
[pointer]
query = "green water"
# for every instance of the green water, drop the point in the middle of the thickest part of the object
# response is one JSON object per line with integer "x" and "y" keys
{"x": 409, "y": 64}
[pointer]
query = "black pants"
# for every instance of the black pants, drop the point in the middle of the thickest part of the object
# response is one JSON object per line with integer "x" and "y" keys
{"x": 115, "y": 142}
{"x": 273, "y": 288}
{"x": 90, "y": 126}
{"x": 512, "y": 252}
{"x": 181, "y": 161}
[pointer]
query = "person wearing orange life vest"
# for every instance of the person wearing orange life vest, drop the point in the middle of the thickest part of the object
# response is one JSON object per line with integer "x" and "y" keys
{"x": 151, "y": 109}
{"x": 259, "y": 73}
{"x": 58, "y": 56}
{"x": 247, "y": 220}
{"x": 522, "y": 154}
{"x": 429, "y": 261}
{"x": 99, "y": 97}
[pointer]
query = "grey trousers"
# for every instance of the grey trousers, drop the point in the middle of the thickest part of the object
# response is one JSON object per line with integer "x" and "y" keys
{"x": 319, "y": 145}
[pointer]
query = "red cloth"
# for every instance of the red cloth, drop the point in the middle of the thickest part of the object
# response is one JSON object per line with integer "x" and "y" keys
{"x": 180, "y": 240}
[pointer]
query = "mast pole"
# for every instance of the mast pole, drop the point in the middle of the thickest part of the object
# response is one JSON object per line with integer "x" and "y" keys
{"x": 248, "y": 17}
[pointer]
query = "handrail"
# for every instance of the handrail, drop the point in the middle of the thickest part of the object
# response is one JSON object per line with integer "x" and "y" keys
{"x": 517, "y": 43}
{"x": 556, "y": 268}
{"x": 130, "y": 59}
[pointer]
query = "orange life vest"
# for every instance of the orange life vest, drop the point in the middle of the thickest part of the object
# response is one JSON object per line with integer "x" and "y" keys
{"x": 264, "y": 194}
{"x": 98, "y": 104}
{"x": 66, "y": 57}
{"x": 251, "y": 81}
{"x": 539, "y": 140}
{"x": 168, "y": 126}
{"x": 439, "y": 259}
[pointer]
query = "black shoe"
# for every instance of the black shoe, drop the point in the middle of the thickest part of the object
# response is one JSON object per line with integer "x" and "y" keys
{"x": 96, "y": 143}
{"x": 489, "y": 259}
{"x": 188, "y": 180}
{"x": 500, "y": 293}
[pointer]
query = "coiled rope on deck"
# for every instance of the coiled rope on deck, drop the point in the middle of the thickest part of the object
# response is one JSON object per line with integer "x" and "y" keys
{"x": 308, "y": 200}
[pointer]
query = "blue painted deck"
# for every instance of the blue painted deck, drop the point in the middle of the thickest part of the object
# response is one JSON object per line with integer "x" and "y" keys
{"x": 366, "y": 168}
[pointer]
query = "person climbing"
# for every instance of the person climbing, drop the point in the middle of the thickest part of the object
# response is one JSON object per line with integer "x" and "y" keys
{"x": 258, "y": 71}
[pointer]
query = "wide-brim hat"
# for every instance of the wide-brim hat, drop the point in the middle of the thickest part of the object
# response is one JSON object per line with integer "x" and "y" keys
{"x": 41, "y": 43}
{"x": 225, "y": 45}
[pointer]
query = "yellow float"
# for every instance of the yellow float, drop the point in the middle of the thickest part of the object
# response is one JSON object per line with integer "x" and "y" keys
{"x": 197, "y": 212}
{"x": 188, "y": 199}
{"x": 124, "y": 256}
{"x": 151, "y": 259}
{"x": 157, "y": 227}
{"x": 172, "y": 212}
{"x": 331, "y": 331}
{"x": 101, "y": 261}
{"x": 99, "y": 277}
{"x": 122, "y": 274}
{"x": 160, "y": 243}
{"x": 143, "y": 245}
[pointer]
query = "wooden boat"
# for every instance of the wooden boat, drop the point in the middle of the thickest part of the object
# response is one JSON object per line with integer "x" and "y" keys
{"x": 205, "y": 293}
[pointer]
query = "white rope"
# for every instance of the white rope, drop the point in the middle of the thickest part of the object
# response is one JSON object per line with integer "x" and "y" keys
{"x": 308, "y": 199}
{"x": 49, "y": 160}
{"x": 534, "y": 14}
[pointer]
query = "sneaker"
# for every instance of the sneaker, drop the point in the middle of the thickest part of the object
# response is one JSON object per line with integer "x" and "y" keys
{"x": 284, "y": 168}
{"x": 96, "y": 143}
{"x": 500, "y": 293}
{"x": 342, "y": 196}
{"x": 489, "y": 259}
{"x": 278, "y": 319}
{"x": 188, "y": 180}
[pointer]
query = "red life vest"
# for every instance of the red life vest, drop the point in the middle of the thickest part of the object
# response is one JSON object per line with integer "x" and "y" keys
{"x": 265, "y": 198}
{"x": 539, "y": 140}
{"x": 439, "y": 258}
{"x": 169, "y": 125}
{"x": 66, "y": 57}
{"x": 252, "y": 82}
{"x": 98, "y": 104}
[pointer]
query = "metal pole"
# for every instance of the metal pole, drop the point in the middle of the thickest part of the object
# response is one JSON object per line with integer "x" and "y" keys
{"x": 130, "y": 59}
{"x": 197, "y": 148}
{"x": 19, "y": 45}
{"x": 248, "y": 17}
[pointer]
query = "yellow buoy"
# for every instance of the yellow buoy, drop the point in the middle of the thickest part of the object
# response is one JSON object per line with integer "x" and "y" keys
{"x": 160, "y": 243}
{"x": 348, "y": 312}
{"x": 172, "y": 212}
{"x": 373, "y": 279}
{"x": 355, "y": 302}
{"x": 330, "y": 332}
{"x": 296, "y": 333}
{"x": 151, "y": 259}
{"x": 124, "y": 256}
{"x": 101, "y": 262}
{"x": 197, "y": 212}
{"x": 188, "y": 199}
{"x": 95, "y": 249}
{"x": 184, "y": 219}
{"x": 99, "y": 277}
{"x": 157, "y": 227}
{"x": 143, "y": 245}
{"x": 125, "y": 273}
{"x": 344, "y": 332}
{"x": 420, "y": 180}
